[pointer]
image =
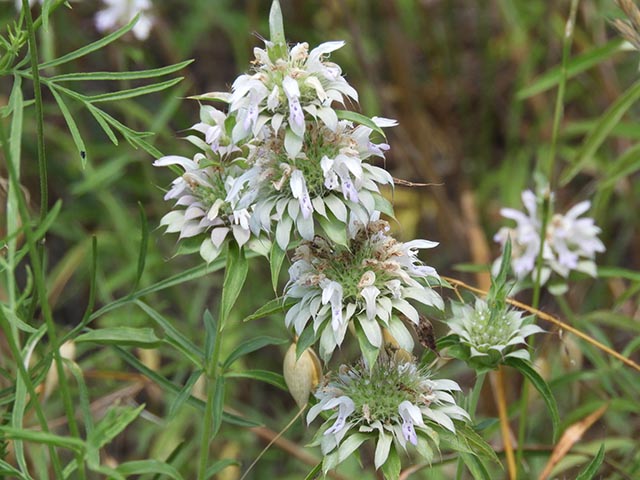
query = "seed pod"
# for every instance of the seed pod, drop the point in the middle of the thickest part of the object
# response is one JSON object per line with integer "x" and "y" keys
{"x": 301, "y": 375}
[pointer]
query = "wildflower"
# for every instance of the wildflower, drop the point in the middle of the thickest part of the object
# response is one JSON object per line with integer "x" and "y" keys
{"x": 329, "y": 178}
{"x": 369, "y": 281}
{"x": 570, "y": 243}
{"x": 284, "y": 90}
{"x": 393, "y": 402}
{"x": 119, "y": 12}
{"x": 208, "y": 195}
{"x": 489, "y": 335}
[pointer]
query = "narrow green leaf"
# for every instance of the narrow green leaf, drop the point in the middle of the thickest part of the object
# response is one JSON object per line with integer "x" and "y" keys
{"x": 391, "y": 468}
{"x": 234, "y": 277}
{"x": 218, "y": 406}
{"x": 249, "y": 346}
{"x": 314, "y": 473}
{"x": 40, "y": 231}
{"x": 277, "y": 305}
{"x": 211, "y": 332}
{"x": 617, "y": 272}
{"x": 97, "y": 114}
{"x": 272, "y": 378}
{"x": 85, "y": 50}
{"x": 601, "y": 131}
{"x": 475, "y": 466}
{"x": 576, "y": 65}
{"x": 140, "y": 467}
{"x": 590, "y": 470}
{"x": 360, "y": 119}
{"x": 137, "y": 75}
{"x": 112, "y": 424}
{"x": 306, "y": 339}
{"x": 173, "y": 336}
{"x": 73, "y": 127}
{"x": 184, "y": 395}
{"x": 144, "y": 240}
{"x": 538, "y": 382}
{"x": 130, "y": 336}
{"x": 625, "y": 165}
{"x": 37, "y": 436}
{"x": 276, "y": 258}
{"x": 219, "y": 466}
{"x": 171, "y": 387}
{"x": 7, "y": 469}
{"x": 83, "y": 395}
{"x": 132, "y": 92}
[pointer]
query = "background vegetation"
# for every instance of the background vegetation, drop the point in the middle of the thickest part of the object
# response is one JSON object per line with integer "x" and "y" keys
{"x": 473, "y": 86}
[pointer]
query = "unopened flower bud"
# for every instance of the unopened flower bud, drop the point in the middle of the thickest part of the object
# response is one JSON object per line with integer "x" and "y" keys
{"x": 301, "y": 375}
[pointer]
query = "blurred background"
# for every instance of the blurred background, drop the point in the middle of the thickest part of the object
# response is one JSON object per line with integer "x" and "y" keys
{"x": 454, "y": 73}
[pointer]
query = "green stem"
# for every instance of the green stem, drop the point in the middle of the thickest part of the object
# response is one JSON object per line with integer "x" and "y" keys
{"x": 24, "y": 375}
{"x": 37, "y": 92}
{"x": 546, "y": 207}
{"x": 472, "y": 406}
{"x": 35, "y": 259}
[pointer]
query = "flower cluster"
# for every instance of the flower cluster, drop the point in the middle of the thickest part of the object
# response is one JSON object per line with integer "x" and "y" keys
{"x": 393, "y": 402}
{"x": 570, "y": 243}
{"x": 368, "y": 281}
{"x": 280, "y": 156}
{"x": 490, "y": 335}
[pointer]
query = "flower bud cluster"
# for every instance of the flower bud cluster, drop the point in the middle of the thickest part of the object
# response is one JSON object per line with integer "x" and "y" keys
{"x": 489, "y": 335}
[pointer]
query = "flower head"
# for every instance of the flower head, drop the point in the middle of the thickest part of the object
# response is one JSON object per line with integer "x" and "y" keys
{"x": 570, "y": 243}
{"x": 393, "y": 401}
{"x": 328, "y": 179}
{"x": 287, "y": 88}
{"x": 488, "y": 335}
{"x": 209, "y": 195}
{"x": 369, "y": 281}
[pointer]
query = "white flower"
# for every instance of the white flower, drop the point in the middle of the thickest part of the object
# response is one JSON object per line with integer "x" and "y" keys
{"x": 328, "y": 179}
{"x": 570, "y": 243}
{"x": 392, "y": 400}
{"x": 120, "y": 12}
{"x": 372, "y": 281}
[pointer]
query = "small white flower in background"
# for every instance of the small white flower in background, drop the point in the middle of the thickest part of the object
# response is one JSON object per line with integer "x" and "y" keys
{"x": 118, "y": 13}
{"x": 394, "y": 403}
{"x": 370, "y": 281}
{"x": 490, "y": 336}
{"x": 31, "y": 3}
{"x": 571, "y": 243}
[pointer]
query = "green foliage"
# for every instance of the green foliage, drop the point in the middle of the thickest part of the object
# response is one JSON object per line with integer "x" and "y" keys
{"x": 82, "y": 263}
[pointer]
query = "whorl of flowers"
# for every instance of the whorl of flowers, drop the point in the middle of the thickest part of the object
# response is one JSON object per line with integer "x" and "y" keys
{"x": 571, "y": 243}
{"x": 490, "y": 334}
{"x": 287, "y": 88}
{"x": 393, "y": 402}
{"x": 369, "y": 281}
{"x": 327, "y": 179}
{"x": 207, "y": 201}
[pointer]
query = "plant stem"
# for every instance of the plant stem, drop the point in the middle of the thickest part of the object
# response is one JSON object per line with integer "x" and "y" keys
{"x": 35, "y": 259}
{"x": 546, "y": 207}
{"x": 37, "y": 93}
{"x": 501, "y": 401}
{"x": 472, "y": 406}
